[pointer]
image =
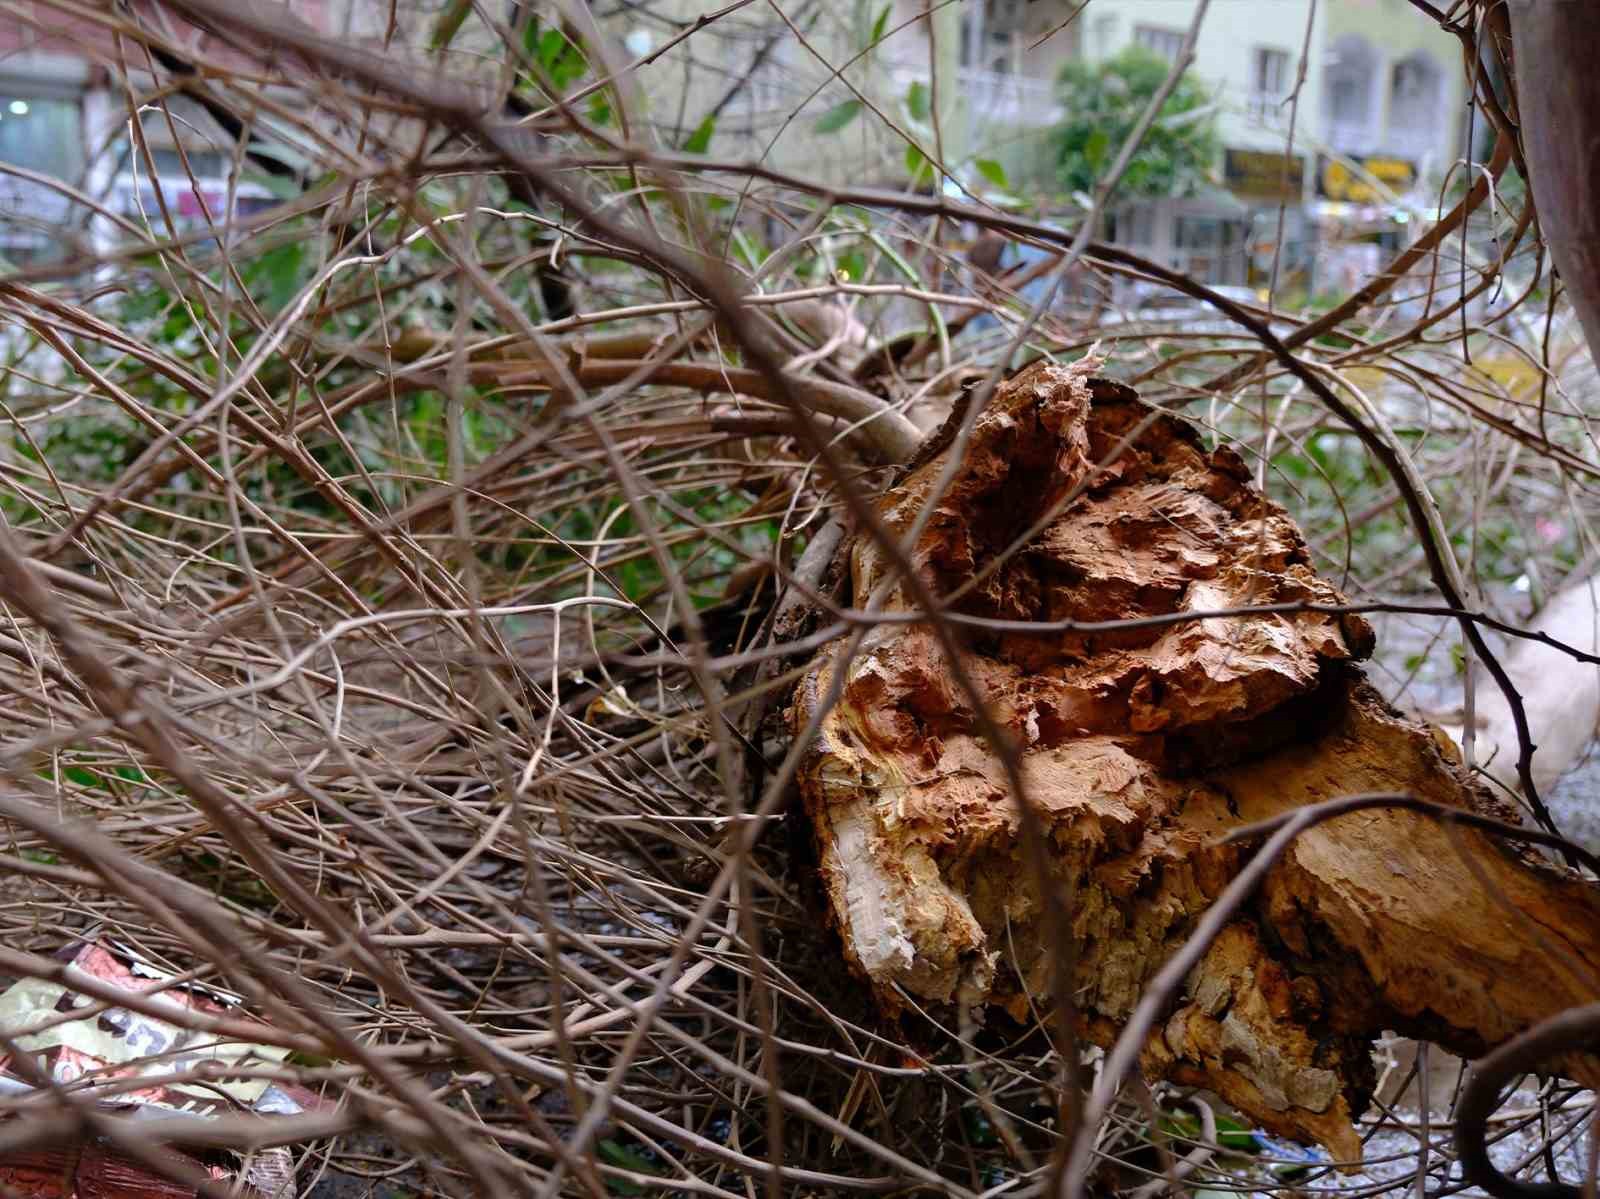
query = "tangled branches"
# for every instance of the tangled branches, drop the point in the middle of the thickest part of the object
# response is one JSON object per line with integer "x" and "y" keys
{"x": 402, "y": 579}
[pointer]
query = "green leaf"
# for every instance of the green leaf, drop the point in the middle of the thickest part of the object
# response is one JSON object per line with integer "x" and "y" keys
{"x": 561, "y": 60}
{"x": 449, "y": 24}
{"x": 917, "y": 101}
{"x": 1094, "y": 150}
{"x": 279, "y": 272}
{"x": 993, "y": 172}
{"x": 700, "y": 140}
{"x": 1233, "y": 1135}
{"x": 614, "y": 1153}
{"x": 837, "y": 117}
{"x": 917, "y": 164}
{"x": 600, "y": 109}
{"x": 552, "y": 45}
{"x": 880, "y": 25}
{"x": 1103, "y": 102}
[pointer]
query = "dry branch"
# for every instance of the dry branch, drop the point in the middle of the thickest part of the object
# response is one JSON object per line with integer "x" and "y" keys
{"x": 378, "y": 669}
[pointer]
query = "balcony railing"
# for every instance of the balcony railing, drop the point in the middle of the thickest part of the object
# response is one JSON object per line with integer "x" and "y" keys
{"x": 1352, "y": 137}
{"x": 992, "y": 97}
{"x": 1267, "y": 108}
{"x": 1009, "y": 99}
{"x": 1362, "y": 139}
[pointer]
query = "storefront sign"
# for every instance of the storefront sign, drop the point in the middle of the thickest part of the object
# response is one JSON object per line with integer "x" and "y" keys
{"x": 1350, "y": 180}
{"x": 1263, "y": 174}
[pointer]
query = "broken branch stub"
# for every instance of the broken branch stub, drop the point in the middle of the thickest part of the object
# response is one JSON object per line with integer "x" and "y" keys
{"x": 1140, "y": 748}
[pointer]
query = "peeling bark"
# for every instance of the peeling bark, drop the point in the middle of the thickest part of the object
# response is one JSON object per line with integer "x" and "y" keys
{"x": 1139, "y": 748}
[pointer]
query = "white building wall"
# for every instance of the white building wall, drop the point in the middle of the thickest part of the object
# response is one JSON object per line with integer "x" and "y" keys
{"x": 1224, "y": 55}
{"x": 1221, "y": 227}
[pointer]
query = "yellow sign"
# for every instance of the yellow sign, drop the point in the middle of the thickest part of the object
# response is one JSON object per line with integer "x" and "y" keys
{"x": 1350, "y": 180}
{"x": 1263, "y": 175}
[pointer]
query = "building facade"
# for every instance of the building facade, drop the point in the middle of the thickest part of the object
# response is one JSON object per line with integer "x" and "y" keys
{"x": 1337, "y": 119}
{"x": 65, "y": 150}
{"x": 1374, "y": 92}
{"x": 836, "y": 89}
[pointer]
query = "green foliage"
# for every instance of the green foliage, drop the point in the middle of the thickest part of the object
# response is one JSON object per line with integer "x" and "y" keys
{"x": 1230, "y": 1133}
{"x": 918, "y": 166}
{"x": 564, "y": 62}
{"x": 837, "y": 117}
{"x": 94, "y": 443}
{"x": 879, "y": 26}
{"x": 275, "y": 277}
{"x": 558, "y": 58}
{"x": 615, "y": 1153}
{"x": 1104, "y": 101}
{"x": 919, "y": 101}
{"x": 97, "y": 782}
{"x": 993, "y": 172}
{"x": 449, "y": 24}
{"x": 700, "y": 140}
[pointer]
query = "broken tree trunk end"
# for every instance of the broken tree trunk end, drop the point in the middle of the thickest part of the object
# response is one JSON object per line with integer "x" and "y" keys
{"x": 1140, "y": 748}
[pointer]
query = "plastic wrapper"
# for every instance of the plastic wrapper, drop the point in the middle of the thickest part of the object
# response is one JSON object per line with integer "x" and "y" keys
{"x": 135, "y": 1066}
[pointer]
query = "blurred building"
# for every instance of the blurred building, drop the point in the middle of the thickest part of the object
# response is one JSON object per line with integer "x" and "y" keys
{"x": 1377, "y": 117}
{"x": 1377, "y": 120}
{"x": 842, "y": 93}
{"x": 65, "y": 143}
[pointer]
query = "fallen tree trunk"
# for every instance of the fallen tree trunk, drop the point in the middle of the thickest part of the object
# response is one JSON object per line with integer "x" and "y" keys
{"x": 1140, "y": 747}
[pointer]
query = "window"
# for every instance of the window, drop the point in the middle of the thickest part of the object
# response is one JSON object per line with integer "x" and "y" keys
{"x": 1348, "y": 92}
{"x": 1199, "y": 233}
{"x": 1136, "y": 226}
{"x": 1347, "y": 99}
{"x": 1269, "y": 81}
{"x": 41, "y": 134}
{"x": 986, "y": 46}
{"x": 205, "y": 164}
{"x": 1410, "y": 81}
{"x": 1212, "y": 249}
{"x": 991, "y": 34}
{"x": 1271, "y": 76}
{"x": 1166, "y": 42}
{"x": 1416, "y": 109}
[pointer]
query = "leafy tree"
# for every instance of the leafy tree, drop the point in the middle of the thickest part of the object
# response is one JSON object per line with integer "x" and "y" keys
{"x": 1104, "y": 101}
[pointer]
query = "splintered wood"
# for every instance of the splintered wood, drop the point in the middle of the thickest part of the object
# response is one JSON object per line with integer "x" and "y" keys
{"x": 1139, "y": 748}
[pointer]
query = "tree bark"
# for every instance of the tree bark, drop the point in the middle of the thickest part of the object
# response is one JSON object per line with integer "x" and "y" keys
{"x": 1556, "y": 43}
{"x": 1140, "y": 748}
